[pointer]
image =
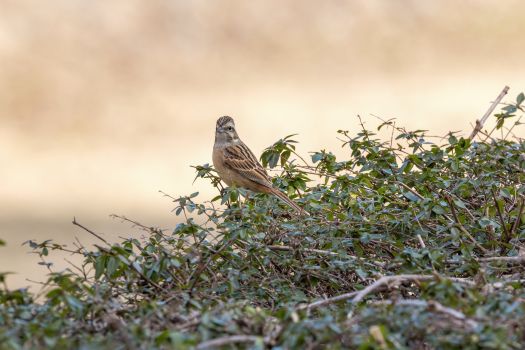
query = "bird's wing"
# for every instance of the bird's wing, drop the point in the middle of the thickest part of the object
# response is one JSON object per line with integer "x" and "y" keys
{"x": 240, "y": 159}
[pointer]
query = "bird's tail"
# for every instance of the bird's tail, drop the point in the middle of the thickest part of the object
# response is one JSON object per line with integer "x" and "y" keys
{"x": 289, "y": 202}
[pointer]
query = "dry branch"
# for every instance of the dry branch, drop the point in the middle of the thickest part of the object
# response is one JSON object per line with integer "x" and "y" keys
{"x": 218, "y": 342}
{"x": 516, "y": 260}
{"x": 306, "y": 250}
{"x": 507, "y": 259}
{"x": 431, "y": 305}
{"x": 505, "y": 238}
{"x": 518, "y": 218}
{"x": 89, "y": 231}
{"x": 409, "y": 189}
{"x": 328, "y": 301}
{"x": 402, "y": 278}
{"x": 461, "y": 227}
{"x": 481, "y": 122}
{"x": 323, "y": 252}
{"x": 204, "y": 264}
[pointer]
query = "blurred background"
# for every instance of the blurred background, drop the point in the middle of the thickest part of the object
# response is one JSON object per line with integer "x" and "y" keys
{"x": 104, "y": 103}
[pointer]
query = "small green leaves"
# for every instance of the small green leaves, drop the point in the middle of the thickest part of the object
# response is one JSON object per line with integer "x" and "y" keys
{"x": 442, "y": 219}
{"x": 100, "y": 264}
{"x": 520, "y": 98}
{"x": 452, "y": 140}
{"x": 279, "y": 151}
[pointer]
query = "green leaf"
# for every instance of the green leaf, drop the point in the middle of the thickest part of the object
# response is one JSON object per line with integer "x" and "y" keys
{"x": 438, "y": 210}
{"x": 74, "y": 303}
{"x": 99, "y": 266}
{"x": 411, "y": 196}
{"x": 112, "y": 266}
{"x": 520, "y": 98}
{"x": 460, "y": 204}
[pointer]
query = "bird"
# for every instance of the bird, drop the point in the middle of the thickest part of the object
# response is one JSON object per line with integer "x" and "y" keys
{"x": 237, "y": 165}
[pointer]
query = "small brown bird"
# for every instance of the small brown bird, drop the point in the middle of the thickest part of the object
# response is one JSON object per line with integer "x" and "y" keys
{"x": 238, "y": 166}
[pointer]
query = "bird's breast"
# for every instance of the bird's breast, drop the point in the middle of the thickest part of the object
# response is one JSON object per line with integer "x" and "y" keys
{"x": 219, "y": 164}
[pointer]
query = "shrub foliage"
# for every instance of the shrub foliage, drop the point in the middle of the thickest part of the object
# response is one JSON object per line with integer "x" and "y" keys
{"x": 416, "y": 242}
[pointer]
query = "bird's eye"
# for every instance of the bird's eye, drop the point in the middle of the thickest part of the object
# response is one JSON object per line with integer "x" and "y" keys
{"x": 230, "y": 128}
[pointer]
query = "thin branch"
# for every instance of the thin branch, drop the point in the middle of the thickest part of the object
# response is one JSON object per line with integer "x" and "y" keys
{"x": 460, "y": 225}
{"x": 505, "y": 239}
{"x": 306, "y": 250}
{"x": 447, "y": 193}
{"x": 421, "y": 241}
{"x": 402, "y": 278}
{"x": 222, "y": 341}
{"x": 487, "y": 135}
{"x": 323, "y": 252}
{"x": 481, "y": 122}
{"x": 414, "y": 192}
{"x": 89, "y": 231}
{"x": 508, "y": 259}
{"x": 191, "y": 321}
{"x": 518, "y": 218}
{"x": 517, "y": 122}
{"x": 301, "y": 158}
{"x": 205, "y": 264}
{"x": 328, "y": 301}
{"x": 501, "y": 284}
{"x": 137, "y": 224}
{"x": 431, "y": 305}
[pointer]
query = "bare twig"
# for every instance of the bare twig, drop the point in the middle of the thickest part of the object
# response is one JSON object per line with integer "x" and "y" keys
{"x": 508, "y": 259}
{"x": 460, "y": 225}
{"x": 324, "y": 252}
{"x": 306, "y": 250}
{"x": 481, "y": 122}
{"x": 191, "y": 321}
{"x": 517, "y": 122}
{"x": 487, "y": 136}
{"x": 421, "y": 242}
{"x": 501, "y": 284}
{"x": 506, "y": 238}
{"x": 447, "y": 193}
{"x": 137, "y": 224}
{"x": 91, "y": 232}
{"x": 518, "y": 218}
{"x": 327, "y": 301}
{"x": 203, "y": 265}
{"x": 431, "y": 305}
{"x": 411, "y": 190}
{"x": 222, "y": 341}
{"x": 402, "y": 278}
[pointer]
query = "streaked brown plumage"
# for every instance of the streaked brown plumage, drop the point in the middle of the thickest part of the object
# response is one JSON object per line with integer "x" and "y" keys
{"x": 238, "y": 166}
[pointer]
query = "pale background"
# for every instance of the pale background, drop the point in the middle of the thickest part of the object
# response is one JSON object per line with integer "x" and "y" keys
{"x": 103, "y": 103}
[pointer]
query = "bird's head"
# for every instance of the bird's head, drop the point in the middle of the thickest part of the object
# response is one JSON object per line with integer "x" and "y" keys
{"x": 225, "y": 130}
